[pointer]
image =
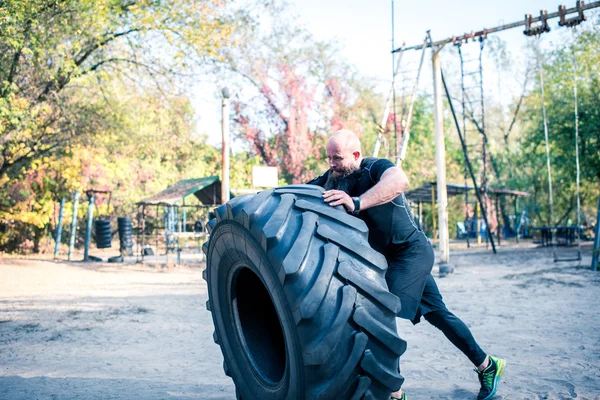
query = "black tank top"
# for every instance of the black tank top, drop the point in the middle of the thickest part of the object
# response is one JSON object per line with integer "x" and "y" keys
{"x": 389, "y": 223}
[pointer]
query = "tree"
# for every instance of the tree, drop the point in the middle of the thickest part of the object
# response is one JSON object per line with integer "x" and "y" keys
{"x": 294, "y": 90}
{"x": 558, "y": 67}
{"x": 146, "y": 143}
{"x": 48, "y": 46}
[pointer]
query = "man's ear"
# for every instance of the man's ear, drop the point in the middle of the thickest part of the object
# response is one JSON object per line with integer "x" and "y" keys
{"x": 356, "y": 155}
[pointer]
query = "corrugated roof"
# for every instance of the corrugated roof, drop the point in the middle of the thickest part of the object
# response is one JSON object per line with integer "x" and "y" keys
{"x": 207, "y": 190}
{"x": 424, "y": 192}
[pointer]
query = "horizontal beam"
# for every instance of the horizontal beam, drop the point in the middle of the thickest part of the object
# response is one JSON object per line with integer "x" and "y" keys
{"x": 485, "y": 32}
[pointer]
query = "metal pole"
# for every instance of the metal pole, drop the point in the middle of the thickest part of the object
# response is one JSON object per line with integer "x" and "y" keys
{"x": 516, "y": 216}
{"x": 88, "y": 231}
{"x": 73, "y": 224}
{"x": 166, "y": 217}
{"x": 388, "y": 104}
{"x": 433, "y": 234}
{"x": 394, "y": 90}
{"x": 464, "y": 124}
{"x": 478, "y": 224}
{"x": 440, "y": 158}
{"x": 225, "y": 146}
{"x": 157, "y": 226}
{"x": 141, "y": 232}
{"x": 466, "y": 154}
{"x": 550, "y": 195}
{"x": 577, "y": 153}
{"x": 498, "y": 228}
{"x": 59, "y": 227}
{"x": 596, "y": 250}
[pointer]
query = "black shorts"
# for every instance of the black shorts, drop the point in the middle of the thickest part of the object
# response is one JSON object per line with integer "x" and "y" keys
{"x": 409, "y": 277}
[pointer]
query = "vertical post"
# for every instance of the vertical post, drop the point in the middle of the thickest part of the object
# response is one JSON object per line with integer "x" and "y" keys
{"x": 166, "y": 217}
{"x": 167, "y": 231}
{"x": 440, "y": 158}
{"x": 88, "y": 230}
{"x": 420, "y": 205}
{"x": 596, "y": 250}
{"x": 498, "y": 229}
{"x": 478, "y": 223}
{"x": 577, "y": 154}
{"x": 140, "y": 243}
{"x": 157, "y": 227}
{"x": 516, "y": 216}
{"x": 433, "y": 233}
{"x": 225, "y": 147}
{"x": 73, "y": 224}
{"x": 396, "y": 148}
{"x": 59, "y": 227}
{"x": 172, "y": 218}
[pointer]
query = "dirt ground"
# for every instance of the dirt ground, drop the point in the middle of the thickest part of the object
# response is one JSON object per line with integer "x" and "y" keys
{"x": 100, "y": 331}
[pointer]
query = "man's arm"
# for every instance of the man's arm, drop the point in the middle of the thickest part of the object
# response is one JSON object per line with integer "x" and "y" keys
{"x": 393, "y": 181}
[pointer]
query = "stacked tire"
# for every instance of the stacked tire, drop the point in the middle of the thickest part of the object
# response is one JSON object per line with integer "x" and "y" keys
{"x": 125, "y": 235}
{"x": 103, "y": 234}
{"x": 299, "y": 300}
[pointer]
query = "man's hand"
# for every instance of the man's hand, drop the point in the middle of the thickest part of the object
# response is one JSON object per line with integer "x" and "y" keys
{"x": 338, "y": 197}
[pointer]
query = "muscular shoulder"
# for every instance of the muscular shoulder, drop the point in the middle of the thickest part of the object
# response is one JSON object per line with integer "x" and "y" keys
{"x": 375, "y": 167}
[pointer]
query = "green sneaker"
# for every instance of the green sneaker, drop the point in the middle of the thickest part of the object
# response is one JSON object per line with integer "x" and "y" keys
{"x": 401, "y": 398}
{"x": 490, "y": 377}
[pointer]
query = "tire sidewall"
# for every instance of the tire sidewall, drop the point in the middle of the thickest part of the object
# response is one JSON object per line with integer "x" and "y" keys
{"x": 230, "y": 246}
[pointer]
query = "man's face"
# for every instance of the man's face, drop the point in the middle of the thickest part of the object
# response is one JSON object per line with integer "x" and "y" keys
{"x": 342, "y": 162}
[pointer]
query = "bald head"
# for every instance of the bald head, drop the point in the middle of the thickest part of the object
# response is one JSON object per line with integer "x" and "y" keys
{"x": 343, "y": 153}
{"x": 346, "y": 140}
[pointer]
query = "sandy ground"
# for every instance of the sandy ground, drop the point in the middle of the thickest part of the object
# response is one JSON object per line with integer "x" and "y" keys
{"x": 99, "y": 331}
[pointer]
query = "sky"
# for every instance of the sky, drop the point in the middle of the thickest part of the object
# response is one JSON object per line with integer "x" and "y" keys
{"x": 364, "y": 30}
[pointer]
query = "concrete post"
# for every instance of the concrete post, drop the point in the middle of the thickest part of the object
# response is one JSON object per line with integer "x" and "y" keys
{"x": 440, "y": 158}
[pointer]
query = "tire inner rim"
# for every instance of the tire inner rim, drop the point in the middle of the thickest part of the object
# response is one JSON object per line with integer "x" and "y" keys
{"x": 258, "y": 326}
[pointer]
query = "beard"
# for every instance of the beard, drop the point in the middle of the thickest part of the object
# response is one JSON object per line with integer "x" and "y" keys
{"x": 344, "y": 181}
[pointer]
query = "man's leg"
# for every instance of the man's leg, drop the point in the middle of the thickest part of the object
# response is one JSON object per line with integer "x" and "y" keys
{"x": 406, "y": 277}
{"x": 459, "y": 335}
{"x": 434, "y": 310}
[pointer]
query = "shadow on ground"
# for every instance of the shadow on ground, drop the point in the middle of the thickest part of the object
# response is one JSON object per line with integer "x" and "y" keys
{"x": 17, "y": 388}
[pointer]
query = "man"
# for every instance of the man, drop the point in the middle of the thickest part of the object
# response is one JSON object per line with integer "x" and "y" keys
{"x": 372, "y": 189}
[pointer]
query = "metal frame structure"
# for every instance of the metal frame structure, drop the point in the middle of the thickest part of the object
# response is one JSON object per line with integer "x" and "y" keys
{"x": 530, "y": 30}
{"x": 527, "y": 22}
{"x": 174, "y": 220}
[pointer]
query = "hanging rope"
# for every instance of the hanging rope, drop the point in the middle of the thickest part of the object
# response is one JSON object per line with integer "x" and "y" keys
{"x": 484, "y": 141}
{"x": 483, "y": 132}
{"x": 550, "y": 196}
{"x": 577, "y": 156}
{"x": 464, "y": 129}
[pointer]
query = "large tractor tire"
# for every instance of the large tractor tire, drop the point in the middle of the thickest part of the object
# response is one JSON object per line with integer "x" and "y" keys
{"x": 299, "y": 300}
